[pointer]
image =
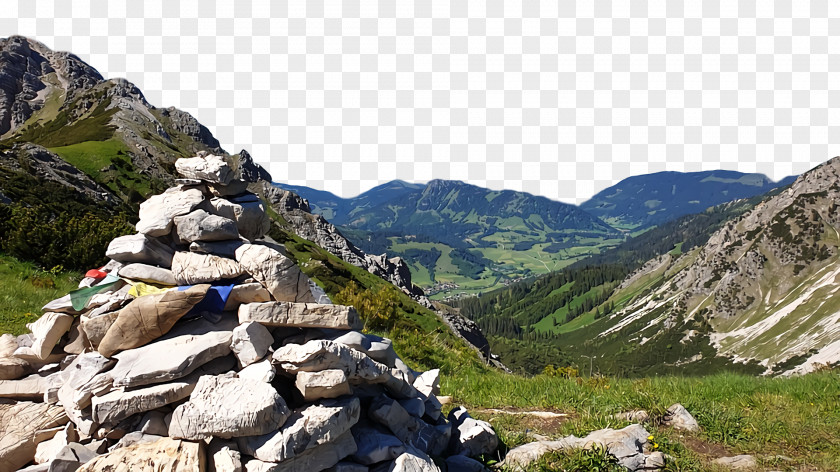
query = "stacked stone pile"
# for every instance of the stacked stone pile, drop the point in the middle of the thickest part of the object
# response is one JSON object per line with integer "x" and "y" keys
{"x": 202, "y": 346}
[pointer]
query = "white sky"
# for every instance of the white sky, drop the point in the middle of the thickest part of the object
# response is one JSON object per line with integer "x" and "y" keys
{"x": 561, "y": 101}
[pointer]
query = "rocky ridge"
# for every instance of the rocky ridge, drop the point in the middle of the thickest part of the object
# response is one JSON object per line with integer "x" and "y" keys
{"x": 202, "y": 341}
{"x": 761, "y": 289}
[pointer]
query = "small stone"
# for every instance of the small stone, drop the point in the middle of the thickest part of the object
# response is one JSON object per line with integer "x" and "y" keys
{"x": 321, "y": 457}
{"x": 228, "y": 407}
{"x": 248, "y": 212}
{"x": 209, "y": 168}
{"x": 32, "y": 387}
{"x": 410, "y": 430}
{"x": 741, "y": 462}
{"x": 250, "y": 342}
{"x": 217, "y": 248}
{"x": 246, "y": 293}
{"x": 12, "y": 368}
{"x": 413, "y": 460}
{"x": 140, "y": 248}
{"x": 149, "y": 274}
{"x": 71, "y": 457}
{"x": 330, "y": 383}
{"x": 96, "y": 328}
{"x": 191, "y": 268}
{"x": 301, "y": 315}
{"x": 677, "y": 417}
{"x": 47, "y": 330}
{"x": 200, "y": 225}
{"x": 375, "y": 445}
{"x": 222, "y": 456}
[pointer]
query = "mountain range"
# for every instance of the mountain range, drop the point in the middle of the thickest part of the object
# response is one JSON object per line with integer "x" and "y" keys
{"x": 461, "y": 239}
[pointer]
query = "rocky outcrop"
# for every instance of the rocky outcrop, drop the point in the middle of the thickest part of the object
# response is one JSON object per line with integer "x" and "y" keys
{"x": 295, "y": 210}
{"x": 243, "y": 371}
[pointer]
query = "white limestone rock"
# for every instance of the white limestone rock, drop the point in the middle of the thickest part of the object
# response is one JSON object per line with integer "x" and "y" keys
{"x": 190, "y": 268}
{"x": 165, "y": 454}
{"x": 320, "y": 457}
{"x": 263, "y": 371}
{"x": 140, "y": 248}
{"x": 677, "y": 417}
{"x": 375, "y": 445}
{"x": 300, "y": 315}
{"x": 209, "y": 168}
{"x": 148, "y": 273}
{"x": 177, "y": 354}
{"x": 247, "y": 211}
{"x": 157, "y": 213}
{"x": 200, "y": 225}
{"x": 742, "y": 462}
{"x": 228, "y": 407}
{"x": 379, "y": 349}
{"x": 410, "y": 430}
{"x": 19, "y": 424}
{"x": 279, "y": 274}
{"x": 120, "y": 404}
{"x": 471, "y": 437}
{"x": 217, "y": 248}
{"x": 250, "y": 342}
{"x": 49, "y": 449}
{"x": 306, "y": 428}
{"x": 246, "y": 293}
{"x": 222, "y": 456}
{"x": 47, "y": 330}
{"x": 413, "y": 460}
{"x": 330, "y": 383}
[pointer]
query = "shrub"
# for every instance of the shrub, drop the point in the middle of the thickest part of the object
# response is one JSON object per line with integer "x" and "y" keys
{"x": 377, "y": 308}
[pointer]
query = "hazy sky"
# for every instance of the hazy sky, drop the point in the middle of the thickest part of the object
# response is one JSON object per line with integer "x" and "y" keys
{"x": 560, "y": 101}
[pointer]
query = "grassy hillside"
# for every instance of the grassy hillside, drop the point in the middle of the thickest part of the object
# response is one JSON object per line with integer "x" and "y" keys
{"x": 787, "y": 423}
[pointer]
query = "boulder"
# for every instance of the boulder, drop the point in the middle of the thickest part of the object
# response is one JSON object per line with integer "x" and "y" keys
{"x": 321, "y": 457}
{"x": 279, "y": 274}
{"x": 209, "y": 168}
{"x": 428, "y": 383}
{"x": 120, "y": 404}
{"x": 250, "y": 342}
{"x": 217, "y": 248}
{"x": 8, "y": 344}
{"x": 521, "y": 457}
{"x": 246, "y": 293}
{"x": 148, "y": 318}
{"x": 19, "y": 423}
{"x": 157, "y": 213}
{"x": 374, "y": 445}
{"x": 742, "y": 462}
{"x": 149, "y": 274}
{"x": 247, "y": 211}
{"x": 263, "y": 371}
{"x": 200, "y": 225}
{"x": 330, "y": 383}
{"x": 626, "y": 444}
{"x": 228, "y": 407}
{"x": 165, "y": 454}
{"x": 47, "y": 330}
{"x": 175, "y": 355}
{"x": 140, "y": 248}
{"x": 300, "y": 315}
{"x": 305, "y": 429}
{"x": 191, "y": 268}
{"x": 677, "y": 417}
{"x": 471, "y": 437}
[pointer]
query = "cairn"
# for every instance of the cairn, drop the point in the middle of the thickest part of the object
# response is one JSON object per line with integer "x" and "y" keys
{"x": 202, "y": 346}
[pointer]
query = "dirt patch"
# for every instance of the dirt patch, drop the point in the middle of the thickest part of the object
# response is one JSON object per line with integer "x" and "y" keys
{"x": 706, "y": 449}
{"x": 542, "y": 422}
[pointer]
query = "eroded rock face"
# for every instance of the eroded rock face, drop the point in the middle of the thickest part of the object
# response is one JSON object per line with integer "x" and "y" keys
{"x": 227, "y": 407}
